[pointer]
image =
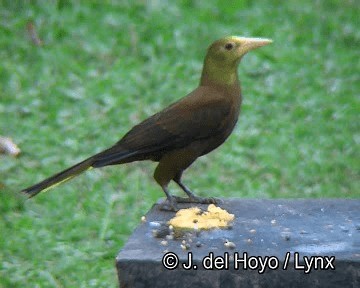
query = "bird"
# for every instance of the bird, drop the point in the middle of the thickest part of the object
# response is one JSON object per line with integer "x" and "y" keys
{"x": 182, "y": 132}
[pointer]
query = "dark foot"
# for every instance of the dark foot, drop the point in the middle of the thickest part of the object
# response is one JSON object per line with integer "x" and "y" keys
{"x": 197, "y": 199}
{"x": 169, "y": 205}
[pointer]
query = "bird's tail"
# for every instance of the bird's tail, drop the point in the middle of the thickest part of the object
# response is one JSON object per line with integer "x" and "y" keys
{"x": 59, "y": 178}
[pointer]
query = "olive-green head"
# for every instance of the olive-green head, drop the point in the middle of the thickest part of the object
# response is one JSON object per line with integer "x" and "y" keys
{"x": 232, "y": 48}
{"x": 224, "y": 55}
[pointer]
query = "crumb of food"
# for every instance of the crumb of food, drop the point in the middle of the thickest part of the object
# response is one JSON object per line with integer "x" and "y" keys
{"x": 7, "y": 146}
{"x": 185, "y": 246}
{"x": 286, "y": 235}
{"x": 195, "y": 218}
{"x": 229, "y": 244}
{"x": 249, "y": 241}
{"x": 143, "y": 219}
{"x": 170, "y": 237}
{"x": 154, "y": 224}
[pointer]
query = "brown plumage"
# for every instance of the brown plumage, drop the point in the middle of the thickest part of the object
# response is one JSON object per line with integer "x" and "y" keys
{"x": 182, "y": 132}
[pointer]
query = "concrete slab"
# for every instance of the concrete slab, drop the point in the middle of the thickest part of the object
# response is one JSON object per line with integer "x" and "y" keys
{"x": 272, "y": 243}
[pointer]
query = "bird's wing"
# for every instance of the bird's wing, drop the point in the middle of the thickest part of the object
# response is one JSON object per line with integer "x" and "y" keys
{"x": 199, "y": 115}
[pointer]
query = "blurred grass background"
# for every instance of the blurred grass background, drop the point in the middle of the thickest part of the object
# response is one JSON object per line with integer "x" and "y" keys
{"x": 107, "y": 65}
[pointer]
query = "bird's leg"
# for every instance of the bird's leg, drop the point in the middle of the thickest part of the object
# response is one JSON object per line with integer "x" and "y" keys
{"x": 170, "y": 203}
{"x": 162, "y": 177}
{"x": 192, "y": 198}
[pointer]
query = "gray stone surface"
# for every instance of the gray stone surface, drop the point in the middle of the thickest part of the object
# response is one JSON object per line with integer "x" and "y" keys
{"x": 321, "y": 228}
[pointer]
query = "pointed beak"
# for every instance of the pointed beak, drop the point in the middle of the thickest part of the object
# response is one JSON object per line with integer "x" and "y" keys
{"x": 248, "y": 44}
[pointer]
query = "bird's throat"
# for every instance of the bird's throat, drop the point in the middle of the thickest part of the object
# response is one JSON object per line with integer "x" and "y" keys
{"x": 219, "y": 75}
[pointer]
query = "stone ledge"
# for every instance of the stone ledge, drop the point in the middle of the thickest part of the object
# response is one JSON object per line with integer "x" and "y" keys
{"x": 310, "y": 228}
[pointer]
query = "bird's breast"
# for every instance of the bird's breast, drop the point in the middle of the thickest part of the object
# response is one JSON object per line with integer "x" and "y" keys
{"x": 227, "y": 126}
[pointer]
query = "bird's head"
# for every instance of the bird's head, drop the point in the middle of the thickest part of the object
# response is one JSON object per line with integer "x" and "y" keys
{"x": 223, "y": 57}
{"x": 231, "y": 49}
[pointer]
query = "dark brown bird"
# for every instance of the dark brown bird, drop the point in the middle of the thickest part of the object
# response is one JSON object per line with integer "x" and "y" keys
{"x": 182, "y": 132}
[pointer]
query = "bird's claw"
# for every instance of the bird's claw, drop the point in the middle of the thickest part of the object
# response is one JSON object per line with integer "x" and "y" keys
{"x": 197, "y": 199}
{"x": 169, "y": 205}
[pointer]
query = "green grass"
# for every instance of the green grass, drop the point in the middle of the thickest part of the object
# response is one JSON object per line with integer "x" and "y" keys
{"x": 105, "y": 67}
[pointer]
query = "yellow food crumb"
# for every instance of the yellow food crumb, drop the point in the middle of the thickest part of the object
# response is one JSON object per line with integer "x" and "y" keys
{"x": 195, "y": 218}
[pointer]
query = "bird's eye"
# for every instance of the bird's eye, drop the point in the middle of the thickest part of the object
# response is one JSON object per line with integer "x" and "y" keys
{"x": 229, "y": 46}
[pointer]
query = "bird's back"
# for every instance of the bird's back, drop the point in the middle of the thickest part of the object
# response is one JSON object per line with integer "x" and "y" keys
{"x": 208, "y": 115}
